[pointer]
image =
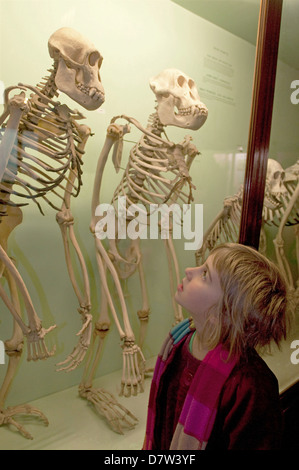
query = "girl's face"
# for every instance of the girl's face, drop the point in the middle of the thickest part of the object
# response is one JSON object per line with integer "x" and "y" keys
{"x": 199, "y": 291}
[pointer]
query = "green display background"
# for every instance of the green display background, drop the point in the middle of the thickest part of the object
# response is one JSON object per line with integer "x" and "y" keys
{"x": 138, "y": 39}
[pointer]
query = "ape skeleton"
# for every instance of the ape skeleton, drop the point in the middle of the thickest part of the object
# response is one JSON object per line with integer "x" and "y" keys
{"x": 281, "y": 209}
{"x": 41, "y": 152}
{"x": 157, "y": 172}
{"x": 289, "y": 217}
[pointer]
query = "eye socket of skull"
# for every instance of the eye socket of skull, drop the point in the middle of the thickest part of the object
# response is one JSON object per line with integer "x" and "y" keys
{"x": 181, "y": 80}
{"x": 279, "y": 174}
{"x": 189, "y": 86}
{"x": 95, "y": 57}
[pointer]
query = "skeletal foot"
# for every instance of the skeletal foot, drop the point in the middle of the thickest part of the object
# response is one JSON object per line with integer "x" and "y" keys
{"x": 7, "y": 417}
{"x": 106, "y": 404}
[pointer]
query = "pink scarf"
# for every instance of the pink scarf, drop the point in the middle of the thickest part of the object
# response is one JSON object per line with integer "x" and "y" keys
{"x": 200, "y": 407}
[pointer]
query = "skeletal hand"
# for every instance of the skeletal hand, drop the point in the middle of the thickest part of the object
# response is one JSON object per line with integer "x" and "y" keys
{"x": 133, "y": 369}
{"x": 78, "y": 354}
{"x": 36, "y": 346}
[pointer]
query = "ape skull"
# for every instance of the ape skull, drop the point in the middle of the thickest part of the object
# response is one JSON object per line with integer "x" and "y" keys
{"x": 178, "y": 100}
{"x": 275, "y": 187}
{"x": 78, "y": 67}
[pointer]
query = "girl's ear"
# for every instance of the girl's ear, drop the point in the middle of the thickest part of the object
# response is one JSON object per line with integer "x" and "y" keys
{"x": 213, "y": 319}
{"x": 213, "y": 315}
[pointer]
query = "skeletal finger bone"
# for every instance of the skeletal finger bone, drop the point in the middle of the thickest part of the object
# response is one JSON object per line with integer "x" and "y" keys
{"x": 132, "y": 378}
{"x": 7, "y": 417}
{"x": 38, "y": 350}
{"x": 78, "y": 354}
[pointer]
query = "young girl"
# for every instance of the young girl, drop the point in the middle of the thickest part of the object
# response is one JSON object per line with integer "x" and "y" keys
{"x": 211, "y": 389}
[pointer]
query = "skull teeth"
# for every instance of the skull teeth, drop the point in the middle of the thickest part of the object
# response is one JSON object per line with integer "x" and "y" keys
{"x": 90, "y": 91}
{"x": 272, "y": 201}
{"x": 185, "y": 111}
{"x": 191, "y": 110}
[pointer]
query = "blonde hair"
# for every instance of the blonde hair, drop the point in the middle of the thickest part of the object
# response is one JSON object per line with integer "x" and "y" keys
{"x": 252, "y": 312}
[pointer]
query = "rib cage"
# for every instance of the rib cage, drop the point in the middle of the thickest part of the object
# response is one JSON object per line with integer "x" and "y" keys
{"x": 45, "y": 151}
{"x": 153, "y": 176}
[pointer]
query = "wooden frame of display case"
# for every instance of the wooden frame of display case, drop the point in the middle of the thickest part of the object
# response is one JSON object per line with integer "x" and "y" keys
{"x": 256, "y": 168}
{"x": 260, "y": 121}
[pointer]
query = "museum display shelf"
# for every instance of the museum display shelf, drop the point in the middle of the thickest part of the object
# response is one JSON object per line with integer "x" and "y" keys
{"x": 75, "y": 425}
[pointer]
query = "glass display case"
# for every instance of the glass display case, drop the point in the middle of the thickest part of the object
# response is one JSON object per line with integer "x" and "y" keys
{"x": 137, "y": 39}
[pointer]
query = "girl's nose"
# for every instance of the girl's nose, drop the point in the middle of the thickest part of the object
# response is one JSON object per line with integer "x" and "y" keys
{"x": 190, "y": 272}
